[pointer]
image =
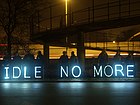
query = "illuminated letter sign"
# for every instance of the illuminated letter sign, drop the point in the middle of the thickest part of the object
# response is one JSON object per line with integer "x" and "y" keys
{"x": 99, "y": 72}
{"x": 25, "y": 72}
{"x": 102, "y": 71}
{"x": 130, "y": 72}
{"x": 37, "y": 71}
{"x": 19, "y": 72}
{"x": 63, "y": 71}
{"x": 66, "y": 72}
{"x": 6, "y": 72}
{"x": 119, "y": 71}
{"x": 118, "y": 68}
{"x": 108, "y": 66}
{"x": 76, "y": 69}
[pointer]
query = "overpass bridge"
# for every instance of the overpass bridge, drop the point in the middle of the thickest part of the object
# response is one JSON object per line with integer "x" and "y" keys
{"x": 64, "y": 29}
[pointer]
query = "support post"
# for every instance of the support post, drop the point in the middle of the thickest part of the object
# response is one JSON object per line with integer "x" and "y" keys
{"x": 46, "y": 56}
{"x": 81, "y": 50}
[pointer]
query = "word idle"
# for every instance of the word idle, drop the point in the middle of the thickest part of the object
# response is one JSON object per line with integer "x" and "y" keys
{"x": 17, "y": 72}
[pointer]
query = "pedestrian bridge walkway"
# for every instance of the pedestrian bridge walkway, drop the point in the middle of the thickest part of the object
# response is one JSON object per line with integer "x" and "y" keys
{"x": 98, "y": 17}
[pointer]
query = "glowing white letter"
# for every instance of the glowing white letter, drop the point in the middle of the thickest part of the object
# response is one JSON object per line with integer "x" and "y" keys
{"x": 129, "y": 70}
{"x": 37, "y": 71}
{"x": 108, "y": 66}
{"x": 79, "y": 71}
{"x": 6, "y": 72}
{"x": 120, "y": 70}
{"x": 25, "y": 70}
{"x": 65, "y": 72}
{"x": 98, "y": 72}
{"x": 19, "y": 74}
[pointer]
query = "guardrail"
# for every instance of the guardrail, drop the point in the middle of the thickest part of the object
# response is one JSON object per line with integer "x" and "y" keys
{"x": 104, "y": 12}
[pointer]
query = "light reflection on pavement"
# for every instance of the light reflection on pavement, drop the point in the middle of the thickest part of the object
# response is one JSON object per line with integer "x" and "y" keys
{"x": 70, "y": 93}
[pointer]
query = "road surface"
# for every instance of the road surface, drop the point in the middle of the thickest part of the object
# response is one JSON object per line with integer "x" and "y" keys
{"x": 70, "y": 93}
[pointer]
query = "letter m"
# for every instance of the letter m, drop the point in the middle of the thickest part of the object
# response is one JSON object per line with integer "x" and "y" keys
{"x": 97, "y": 72}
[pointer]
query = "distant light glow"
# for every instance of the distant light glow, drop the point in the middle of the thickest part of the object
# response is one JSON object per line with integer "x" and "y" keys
{"x": 73, "y": 44}
{"x": 3, "y": 45}
{"x": 114, "y": 41}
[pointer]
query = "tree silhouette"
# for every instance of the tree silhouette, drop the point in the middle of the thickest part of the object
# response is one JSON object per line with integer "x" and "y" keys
{"x": 14, "y": 17}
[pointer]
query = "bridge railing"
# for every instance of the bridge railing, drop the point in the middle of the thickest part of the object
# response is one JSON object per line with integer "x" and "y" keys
{"x": 105, "y": 12}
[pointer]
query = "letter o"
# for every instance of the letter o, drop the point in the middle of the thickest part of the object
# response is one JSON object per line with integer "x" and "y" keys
{"x": 105, "y": 70}
{"x": 79, "y": 71}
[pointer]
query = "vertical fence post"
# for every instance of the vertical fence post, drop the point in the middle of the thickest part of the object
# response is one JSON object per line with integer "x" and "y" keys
{"x": 118, "y": 46}
{"x": 38, "y": 21}
{"x": 88, "y": 14}
{"x": 50, "y": 17}
{"x": 31, "y": 25}
{"x": 72, "y": 18}
{"x": 129, "y": 8}
{"x": 119, "y": 9}
{"x": 70, "y": 13}
{"x": 128, "y": 45}
{"x": 106, "y": 39}
{"x": 93, "y": 10}
{"x": 96, "y": 42}
{"x": 108, "y": 10}
{"x": 133, "y": 46}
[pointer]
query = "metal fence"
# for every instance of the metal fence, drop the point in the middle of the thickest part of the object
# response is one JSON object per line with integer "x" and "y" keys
{"x": 104, "y": 12}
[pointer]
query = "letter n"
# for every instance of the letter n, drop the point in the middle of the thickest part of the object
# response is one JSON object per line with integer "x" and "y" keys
{"x": 65, "y": 72}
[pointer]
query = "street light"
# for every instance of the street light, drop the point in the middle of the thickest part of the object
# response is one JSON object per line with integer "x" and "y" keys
{"x": 66, "y": 18}
{"x": 66, "y": 11}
